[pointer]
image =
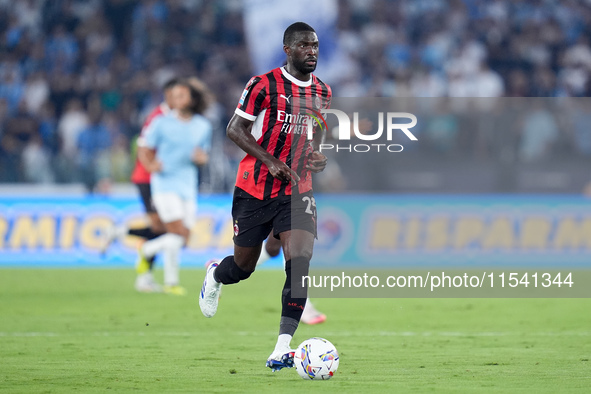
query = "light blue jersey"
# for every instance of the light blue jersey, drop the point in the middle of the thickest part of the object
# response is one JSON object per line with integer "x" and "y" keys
{"x": 175, "y": 141}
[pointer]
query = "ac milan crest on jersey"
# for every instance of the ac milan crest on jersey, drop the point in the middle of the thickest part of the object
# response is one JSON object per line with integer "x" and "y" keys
{"x": 317, "y": 102}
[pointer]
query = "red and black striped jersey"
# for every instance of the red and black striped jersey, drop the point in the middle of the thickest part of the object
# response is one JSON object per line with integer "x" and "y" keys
{"x": 139, "y": 173}
{"x": 281, "y": 107}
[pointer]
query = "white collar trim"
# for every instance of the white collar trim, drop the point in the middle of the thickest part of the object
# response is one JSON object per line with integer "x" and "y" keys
{"x": 295, "y": 80}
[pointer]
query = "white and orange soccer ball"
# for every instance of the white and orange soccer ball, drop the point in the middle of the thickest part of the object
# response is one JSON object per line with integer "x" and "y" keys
{"x": 316, "y": 359}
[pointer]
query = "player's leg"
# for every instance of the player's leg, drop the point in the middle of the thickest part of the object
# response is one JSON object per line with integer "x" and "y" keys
{"x": 170, "y": 254}
{"x": 151, "y": 231}
{"x": 144, "y": 267}
{"x": 271, "y": 249}
{"x": 311, "y": 315}
{"x": 295, "y": 225}
{"x": 252, "y": 223}
{"x": 297, "y": 247}
{"x": 172, "y": 210}
{"x": 154, "y": 228}
{"x": 232, "y": 269}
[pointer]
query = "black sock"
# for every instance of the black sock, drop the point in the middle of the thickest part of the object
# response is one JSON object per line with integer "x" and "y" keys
{"x": 292, "y": 307}
{"x": 145, "y": 232}
{"x": 228, "y": 272}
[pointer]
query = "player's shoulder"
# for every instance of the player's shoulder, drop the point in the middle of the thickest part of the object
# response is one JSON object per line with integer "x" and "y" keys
{"x": 256, "y": 80}
{"x": 263, "y": 79}
{"x": 156, "y": 113}
{"x": 162, "y": 118}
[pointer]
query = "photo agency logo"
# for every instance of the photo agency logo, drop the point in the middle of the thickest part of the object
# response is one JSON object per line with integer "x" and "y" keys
{"x": 347, "y": 136}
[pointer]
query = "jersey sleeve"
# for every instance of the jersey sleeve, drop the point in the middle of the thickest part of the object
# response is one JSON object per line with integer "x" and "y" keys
{"x": 151, "y": 134}
{"x": 253, "y": 100}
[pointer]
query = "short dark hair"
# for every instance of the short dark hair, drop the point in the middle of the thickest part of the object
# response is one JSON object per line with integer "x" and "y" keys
{"x": 170, "y": 83}
{"x": 290, "y": 32}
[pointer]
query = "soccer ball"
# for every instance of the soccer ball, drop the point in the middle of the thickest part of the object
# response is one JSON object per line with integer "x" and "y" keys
{"x": 316, "y": 359}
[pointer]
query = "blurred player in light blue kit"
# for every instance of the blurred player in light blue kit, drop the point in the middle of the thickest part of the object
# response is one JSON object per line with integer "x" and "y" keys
{"x": 174, "y": 144}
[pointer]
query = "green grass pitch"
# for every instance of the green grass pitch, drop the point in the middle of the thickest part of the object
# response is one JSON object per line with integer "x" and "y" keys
{"x": 87, "y": 330}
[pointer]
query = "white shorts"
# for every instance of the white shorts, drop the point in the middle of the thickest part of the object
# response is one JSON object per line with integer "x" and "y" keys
{"x": 171, "y": 207}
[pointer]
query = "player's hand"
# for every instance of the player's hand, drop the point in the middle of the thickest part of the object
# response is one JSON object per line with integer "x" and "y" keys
{"x": 316, "y": 162}
{"x": 281, "y": 171}
{"x": 200, "y": 157}
{"x": 154, "y": 166}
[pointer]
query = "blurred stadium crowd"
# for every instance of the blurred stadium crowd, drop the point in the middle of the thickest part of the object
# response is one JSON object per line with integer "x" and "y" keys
{"x": 77, "y": 77}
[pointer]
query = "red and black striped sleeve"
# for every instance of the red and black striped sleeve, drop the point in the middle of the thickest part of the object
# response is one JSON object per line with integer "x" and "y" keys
{"x": 254, "y": 98}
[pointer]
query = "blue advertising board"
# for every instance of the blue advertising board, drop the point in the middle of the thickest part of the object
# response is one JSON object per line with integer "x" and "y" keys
{"x": 353, "y": 230}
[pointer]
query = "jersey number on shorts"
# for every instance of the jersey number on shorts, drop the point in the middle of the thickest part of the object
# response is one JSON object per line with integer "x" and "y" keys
{"x": 311, "y": 203}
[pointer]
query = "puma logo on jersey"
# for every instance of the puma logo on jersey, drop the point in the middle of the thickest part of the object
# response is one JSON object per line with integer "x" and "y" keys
{"x": 286, "y": 98}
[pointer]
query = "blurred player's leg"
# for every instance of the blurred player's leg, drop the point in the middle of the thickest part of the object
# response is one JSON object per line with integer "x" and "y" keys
{"x": 156, "y": 229}
{"x": 145, "y": 280}
{"x": 144, "y": 266}
{"x": 169, "y": 244}
{"x": 177, "y": 215}
{"x": 271, "y": 249}
{"x": 311, "y": 315}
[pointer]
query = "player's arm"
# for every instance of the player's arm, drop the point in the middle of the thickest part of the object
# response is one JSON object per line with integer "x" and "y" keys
{"x": 200, "y": 157}
{"x": 146, "y": 151}
{"x": 316, "y": 160}
{"x": 238, "y": 131}
{"x": 147, "y": 156}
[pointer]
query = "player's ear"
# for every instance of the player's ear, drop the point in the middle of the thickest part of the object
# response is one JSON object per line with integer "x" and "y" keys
{"x": 287, "y": 50}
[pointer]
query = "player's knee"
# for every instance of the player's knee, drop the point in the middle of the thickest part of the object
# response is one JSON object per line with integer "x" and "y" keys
{"x": 273, "y": 246}
{"x": 246, "y": 262}
{"x": 157, "y": 228}
{"x": 173, "y": 241}
{"x": 273, "y": 250}
{"x": 156, "y": 224}
{"x": 178, "y": 229}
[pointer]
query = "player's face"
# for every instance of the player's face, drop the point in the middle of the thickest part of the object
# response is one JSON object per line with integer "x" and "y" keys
{"x": 168, "y": 97}
{"x": 181, "y": 97}
{"x": 304, "y": 52}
